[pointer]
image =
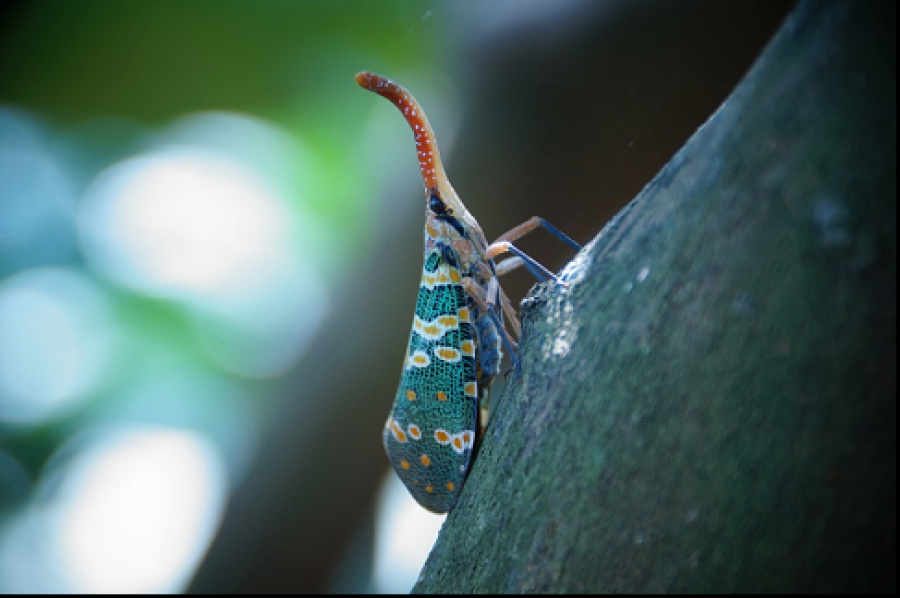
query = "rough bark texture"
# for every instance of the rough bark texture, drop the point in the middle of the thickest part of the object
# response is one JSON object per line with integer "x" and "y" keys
{"x": 710, "y": 404}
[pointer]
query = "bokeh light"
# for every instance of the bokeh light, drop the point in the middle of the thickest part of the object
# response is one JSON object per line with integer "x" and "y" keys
{"x": 57, "y": 339}
{"x": 164, "y": 266}
{"x": 404, "y": 536}
{"x": 198, "y": 226}
{"x": 209, "y": 246}
{"x": 37, "y": 195}
{"x": 123, "y": 510}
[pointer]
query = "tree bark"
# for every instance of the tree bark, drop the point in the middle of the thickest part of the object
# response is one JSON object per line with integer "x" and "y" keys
{"x": 709, "y": 405}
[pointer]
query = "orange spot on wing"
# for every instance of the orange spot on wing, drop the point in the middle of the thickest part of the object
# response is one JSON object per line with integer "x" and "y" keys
{"x": 471, "y": 389}
{"x": 463, "y": 314}
{"x": 410, "y": 395}
{"x": 442, "y": 396}
{"x": 450, "y": 486}
{"x": 455, "y": 277}
{"x": 458, "y": 443}
{"x": 398, "y": 432}
{"x": 429, "y": 489}
{"x": 426, "y": 460}
{"x": 468, "y": 348}
{"x": 441, "y": 436}
{"x": 404, "y": 463}
{"x": 447, "y": 353}
{"x": 414, "y": 431}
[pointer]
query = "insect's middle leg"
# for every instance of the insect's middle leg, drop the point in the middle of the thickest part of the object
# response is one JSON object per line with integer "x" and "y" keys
{"x": 536, "y": 268}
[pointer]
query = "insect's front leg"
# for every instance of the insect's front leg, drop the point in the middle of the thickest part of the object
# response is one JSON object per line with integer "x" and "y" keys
{"x": 504, "y": 244}
{"x": 531, "y": 224}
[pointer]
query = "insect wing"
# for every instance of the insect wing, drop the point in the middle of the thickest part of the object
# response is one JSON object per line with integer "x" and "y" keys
{"x": 430, "y": 433}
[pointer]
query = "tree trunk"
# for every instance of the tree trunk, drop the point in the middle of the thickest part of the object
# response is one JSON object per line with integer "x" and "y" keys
{"x": 710, "y": 404}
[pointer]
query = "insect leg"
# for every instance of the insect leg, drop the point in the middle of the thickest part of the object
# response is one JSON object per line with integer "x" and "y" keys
{"x": 540, "y": 272}
{"x": 487, "y": 302}
{"x": 507, "y": 266}
{"x": 504, "y": 244}
{"x": 493, "y": 295}
{"x": 531, "y": 224}
{"x": 510, "y": 313}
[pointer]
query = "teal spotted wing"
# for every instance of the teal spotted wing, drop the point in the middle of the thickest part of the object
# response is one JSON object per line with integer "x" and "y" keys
{"x": 430, "y": 433}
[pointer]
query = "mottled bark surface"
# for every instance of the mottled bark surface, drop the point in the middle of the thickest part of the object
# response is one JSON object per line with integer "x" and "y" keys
{"x": 710, "y": 405}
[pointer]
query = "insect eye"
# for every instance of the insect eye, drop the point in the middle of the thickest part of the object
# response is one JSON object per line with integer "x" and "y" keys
{"x": 437, "y": 206}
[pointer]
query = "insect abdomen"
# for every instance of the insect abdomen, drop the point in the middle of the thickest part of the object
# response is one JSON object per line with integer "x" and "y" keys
{"x": 430, "y": 432}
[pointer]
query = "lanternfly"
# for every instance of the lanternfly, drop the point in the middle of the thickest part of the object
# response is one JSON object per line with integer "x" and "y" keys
{"x": 454, "y": 347}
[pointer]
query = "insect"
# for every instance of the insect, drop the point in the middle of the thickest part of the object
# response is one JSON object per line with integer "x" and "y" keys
{"x": 454, "y": 350}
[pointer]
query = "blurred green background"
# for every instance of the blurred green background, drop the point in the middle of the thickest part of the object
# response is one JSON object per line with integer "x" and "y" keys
{"x": 210, "y": 241}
